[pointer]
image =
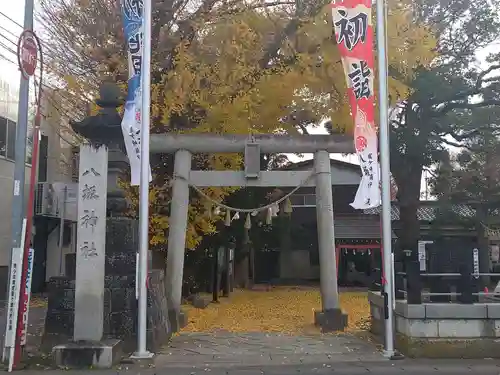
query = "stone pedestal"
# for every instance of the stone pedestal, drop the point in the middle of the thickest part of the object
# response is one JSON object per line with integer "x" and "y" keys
{"x": 120, "y": 304}
{"x": 331, "y": 320}
{"x": 99, "y": 355}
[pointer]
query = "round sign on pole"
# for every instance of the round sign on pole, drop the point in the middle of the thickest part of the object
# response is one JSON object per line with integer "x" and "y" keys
{"x": 27, "y": 53}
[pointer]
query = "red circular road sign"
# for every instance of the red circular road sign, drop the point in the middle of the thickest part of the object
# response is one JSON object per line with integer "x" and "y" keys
{"x": 27, "y": 53}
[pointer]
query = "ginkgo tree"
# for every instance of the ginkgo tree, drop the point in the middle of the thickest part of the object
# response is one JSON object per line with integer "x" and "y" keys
{"x": 223, "y": 67}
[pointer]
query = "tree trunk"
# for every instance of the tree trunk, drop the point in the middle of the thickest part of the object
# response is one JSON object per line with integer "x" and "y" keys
{"x": 242, "y": 273}
{"x": 159, "y": 260}
{"x": 409, "y": 202}
{"x": 252, "y": 265}
{"x": 242, "y": 269}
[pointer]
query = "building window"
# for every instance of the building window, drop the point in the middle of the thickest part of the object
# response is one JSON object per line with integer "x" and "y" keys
{"x": 3, "y": 136}
{"x": 42, "y": 161}
{"x": 29, "y": 150}
{"x": 8, "y": 140}
{"x": 303, "y": 200}
{"x": 67, "y": 234}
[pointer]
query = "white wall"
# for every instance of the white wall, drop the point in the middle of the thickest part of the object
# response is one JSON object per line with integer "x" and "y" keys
{"x": 58, "y": 170}
{"x": 56, "y": 257}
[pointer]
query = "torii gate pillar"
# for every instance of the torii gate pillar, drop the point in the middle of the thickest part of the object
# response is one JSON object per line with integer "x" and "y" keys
{"x": 177, "y": 236}
{"x": 331, "y": 318}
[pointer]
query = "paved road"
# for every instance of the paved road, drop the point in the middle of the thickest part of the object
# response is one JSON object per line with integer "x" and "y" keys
{"x": 408, "y": 367}
{"x": 223, "y": 353}
{"x": 224, "y": 349}
{"x": 349, "y": 369}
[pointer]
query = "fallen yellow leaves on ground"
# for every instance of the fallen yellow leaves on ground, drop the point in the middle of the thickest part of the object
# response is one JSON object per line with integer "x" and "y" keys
{"x": 36, "y": 301}
{"x": 287, "y": 310}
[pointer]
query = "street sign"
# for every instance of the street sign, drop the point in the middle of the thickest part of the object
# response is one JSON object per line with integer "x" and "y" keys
{"x": 27, "y": 53}
{"x": 422, "y": 254}
{"x": 13, "y": 298}
{"x": 27, "y": 296}
{"x": 475, "y": 263}
{"x": 16, "y": 269}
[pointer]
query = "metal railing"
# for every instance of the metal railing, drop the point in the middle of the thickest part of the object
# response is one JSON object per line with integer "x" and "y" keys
{"x": 409, "y": 285}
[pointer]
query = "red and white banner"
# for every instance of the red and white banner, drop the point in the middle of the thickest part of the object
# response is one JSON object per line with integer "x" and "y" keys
{"x": 25, "y": 307}
{"x": 354, "y": 36}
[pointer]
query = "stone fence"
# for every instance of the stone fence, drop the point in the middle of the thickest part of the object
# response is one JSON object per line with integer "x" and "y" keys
{"x": 440, "y": 330}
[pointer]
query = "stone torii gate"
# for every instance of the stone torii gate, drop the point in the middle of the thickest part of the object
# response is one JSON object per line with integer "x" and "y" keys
{"x": 184, "y": 145}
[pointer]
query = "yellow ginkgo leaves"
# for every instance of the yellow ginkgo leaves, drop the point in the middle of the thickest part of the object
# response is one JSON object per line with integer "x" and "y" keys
{"x": 282, "y": 309}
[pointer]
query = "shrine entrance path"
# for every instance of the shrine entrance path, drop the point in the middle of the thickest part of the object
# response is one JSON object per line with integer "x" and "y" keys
{"x": 270, "y": 327}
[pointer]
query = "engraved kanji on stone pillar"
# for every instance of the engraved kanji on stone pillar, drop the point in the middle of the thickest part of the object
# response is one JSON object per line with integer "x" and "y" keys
{"x": 91, "y": 236}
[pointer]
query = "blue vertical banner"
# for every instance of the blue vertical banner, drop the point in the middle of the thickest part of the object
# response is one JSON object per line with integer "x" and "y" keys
{"x": 132, "y": 14}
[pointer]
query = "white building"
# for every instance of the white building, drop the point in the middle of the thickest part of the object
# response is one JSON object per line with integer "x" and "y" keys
{"x": 55, "y": 158}
{"x": 8, "y": 117}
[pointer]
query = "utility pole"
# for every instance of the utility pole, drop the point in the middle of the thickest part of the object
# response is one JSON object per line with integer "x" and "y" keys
{"x": 20, "y": 158}
{"x": 20, "y": 154}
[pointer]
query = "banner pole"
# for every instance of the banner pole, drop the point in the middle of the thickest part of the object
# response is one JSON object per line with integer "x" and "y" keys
{"x": 385, "y": 176}
{"x": 142, "y": 351}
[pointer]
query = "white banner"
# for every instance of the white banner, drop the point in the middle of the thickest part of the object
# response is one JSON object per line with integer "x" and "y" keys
{"x": 16, "y": 270}
{"x": 475, "y": 263}
{"x": 137, "y": 271}
{"x": 365, "y": 138}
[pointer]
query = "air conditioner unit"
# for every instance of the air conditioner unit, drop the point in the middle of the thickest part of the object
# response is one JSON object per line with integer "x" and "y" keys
{"x": 54, "y": 199}
{"x": 45, "y": 200}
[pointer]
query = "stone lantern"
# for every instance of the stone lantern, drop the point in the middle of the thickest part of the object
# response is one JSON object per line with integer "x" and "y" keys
{"x": 104, "y": 128}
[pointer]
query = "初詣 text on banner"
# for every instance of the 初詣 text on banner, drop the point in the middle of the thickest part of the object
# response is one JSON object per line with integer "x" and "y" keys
{"x": 354, "y": 37}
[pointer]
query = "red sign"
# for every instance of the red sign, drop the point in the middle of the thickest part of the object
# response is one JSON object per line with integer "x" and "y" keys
{"x": 27, "y": 53}
{"x": 354, "y": 37}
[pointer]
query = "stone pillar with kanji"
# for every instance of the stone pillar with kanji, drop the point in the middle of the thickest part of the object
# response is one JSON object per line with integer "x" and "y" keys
{"x": 91, "y": 243}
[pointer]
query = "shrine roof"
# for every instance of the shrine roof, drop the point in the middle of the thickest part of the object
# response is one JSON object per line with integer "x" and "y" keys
{"x": 333, "y": 163}
{"x": 427, "y": 211}
{"x": 359, "y": 227}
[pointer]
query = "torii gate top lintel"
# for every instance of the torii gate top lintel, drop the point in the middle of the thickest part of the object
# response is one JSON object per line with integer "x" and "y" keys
{"x": 268, "y": 143}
